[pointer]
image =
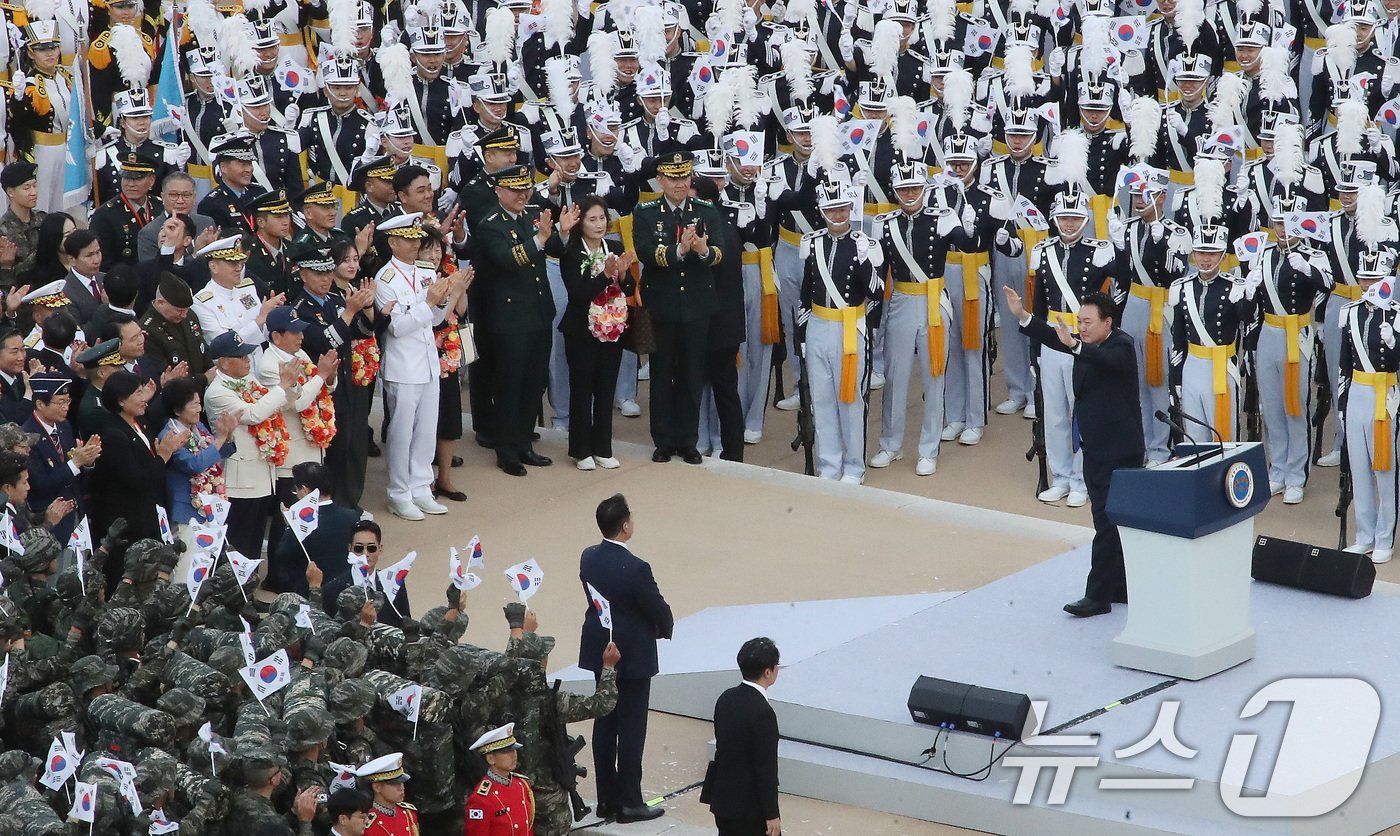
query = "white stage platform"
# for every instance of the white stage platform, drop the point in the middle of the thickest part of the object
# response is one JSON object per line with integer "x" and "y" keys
{"x": 849, "y": 664}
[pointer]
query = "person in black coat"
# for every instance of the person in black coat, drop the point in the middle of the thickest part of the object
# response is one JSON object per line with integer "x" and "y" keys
{"x": 1108, "y": 425}
{"x": 56, "y": 460}
{"x": 366, "y": 540}
{"x": 741, "y": 785}
{"x": 16, "y": 404}
{"x": 727, "y": 333}
{"x": 593, "y": 362}
{"x": 640, "y": 616}
{"x": 286, "y": 564}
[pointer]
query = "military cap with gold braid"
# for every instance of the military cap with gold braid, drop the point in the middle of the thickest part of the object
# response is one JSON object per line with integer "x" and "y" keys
{"x": 675, "y": 164}
{"x": 516, "y": 177}
{"x": 403, "y": 226}
{"x": 385, "y": 769}
{"x": 320, "y": 194}
{"x": 496, "y": 740}
{"x": 103, "y": 354}
{"x": 270, "y": 203}
{"x": 225, "y": 249}
{"x": 136, "y": 165}
{"x": 50, "y": 295}
{"x": 505, "y": 137}
{"x": 378, "y": 168}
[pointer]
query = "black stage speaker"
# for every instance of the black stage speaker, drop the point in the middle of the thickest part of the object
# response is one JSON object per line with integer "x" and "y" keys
{"x": 969, "y": 708}
{"x": 1313, "y": 568}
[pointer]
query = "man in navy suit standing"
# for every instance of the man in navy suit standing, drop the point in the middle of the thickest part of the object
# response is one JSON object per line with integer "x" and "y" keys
{"x": 1107, "y": 427}
{"x": 56, "y": 460}
{"x": 640, "y": 616}
{"x": 741, "y": 785}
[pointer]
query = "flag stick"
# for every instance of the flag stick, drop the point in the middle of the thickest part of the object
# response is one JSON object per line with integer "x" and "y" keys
{"x": 213, "y": 765}
{"x": 415, "y": 725}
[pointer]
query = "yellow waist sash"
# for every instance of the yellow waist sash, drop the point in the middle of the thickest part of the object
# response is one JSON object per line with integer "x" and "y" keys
{"x": 849, "y": 318}
{"x": 932, "y": 291}
{"x": 1292, "y": 325}
{"x": 1219, "y": 357}
{"x": 1064, "y": 318}
{"x": 1156, "y": 298}
{"x": 768, "y": 328}
{"x": 1380, "y": 383}
{"x": 1029, "y": 238}
{"x": 1351, "y": 292}
{"x": 972, "y": 264}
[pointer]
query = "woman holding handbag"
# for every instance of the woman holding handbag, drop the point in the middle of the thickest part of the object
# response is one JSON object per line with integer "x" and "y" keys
{"x": 594, "y": 270}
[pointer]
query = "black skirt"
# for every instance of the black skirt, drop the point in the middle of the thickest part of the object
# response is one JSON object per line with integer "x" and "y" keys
{"x": 449, "y": 426}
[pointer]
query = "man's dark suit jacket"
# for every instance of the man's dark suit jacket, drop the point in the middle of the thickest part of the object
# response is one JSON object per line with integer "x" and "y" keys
{"x": 327, "y": 546}
{"x": 50, "y": 478}
{"x": 15, "y": 405}
{"x": 1105, "y": 393}
{"x": 640, "y": 615}
{"x": 742, "y": 782}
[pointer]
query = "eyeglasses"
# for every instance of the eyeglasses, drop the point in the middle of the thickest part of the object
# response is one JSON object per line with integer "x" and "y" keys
{"x": 361, "y": 548}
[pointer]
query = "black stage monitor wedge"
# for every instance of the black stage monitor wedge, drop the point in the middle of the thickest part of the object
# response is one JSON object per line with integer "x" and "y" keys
{"x": 969, "y": 708}
{"x": 1313, "y": 568}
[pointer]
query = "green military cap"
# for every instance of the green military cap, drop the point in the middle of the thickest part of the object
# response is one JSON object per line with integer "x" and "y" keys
{"x": 136, "y": 165}
{"x": 270, "y": 203}
{"x": 675, "y": 164}
{"x": 40, "y": 549}
{"x": 378, "y": 168}
{"x": 91, "y": 672}
{"x": 533, "y": 646}
{"x": 103, "y": 354}
{"x": 121, "y": 628}
{"x": 350, "y": 700}
{"x": 175, "y": 290}
{"x": 307, "y": 728}
{"x": 317, "y": 194}
{"x": 186, "y": 707}
{"x": 518, "y": 178}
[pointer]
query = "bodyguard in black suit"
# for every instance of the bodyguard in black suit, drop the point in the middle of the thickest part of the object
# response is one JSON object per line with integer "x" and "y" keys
{"x": 640, "y": 616}
{"x": 1108, "y": 426}
{"x": 741, "y": 785}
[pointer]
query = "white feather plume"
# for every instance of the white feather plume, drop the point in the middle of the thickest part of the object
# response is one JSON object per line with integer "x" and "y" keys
{"x": 203, "y": 22}
{"x": 799, "y": 10}
{"x": 556, "y": 78}
{"x": 342, "y": 14}
{"x": 943, "y": 19}
{"x": 884, "y": 48}
{"x": 719, "y": 102}
{"x": 1020, "y": 71}
{"x": 1249, "y": 9}
{"x": 1352, "y": 117}
{"x": 1047, "y": 8}
{"x": 1071, "y": 155}
{"x": 41, "y": 9}
{"x": 558, "y": 22}
{"x": 397, "y": 69}
{"x": 602, "y": 62}
{"x": 1093, "y": 57}
{"x": 957, "y": 97}
{"x": 826, "y": 141}
{"x": 256, "y": 7}
{"x": 1276, "y": 83}
{"x": 133, "y": 62}
{"x": 649, "y": 34}
{"x": 1288, "y": 154}
{"x": 904, "y": 127}
{"x": 1211, "y": 176}
{"x": 1224, "y": 108}
{"x": 498, "y": 42}
{"x": 1144, "y": 126}
{"x": 745, "y": 85}
{"x": 1341, "y": 47}
{"x": 1370, "y": 215}
{"x": 797, "y": 69}
{"x": 1190, "y": 17}
{"x": 729, "y": 14}
{"x": 236, "y": 48}
{"x": 1022, "y": 7}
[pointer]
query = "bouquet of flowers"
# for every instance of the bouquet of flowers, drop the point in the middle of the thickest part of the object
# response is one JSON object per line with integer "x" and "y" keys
{"x": 270, "y": 436}
{"x": 211, "y": 479}
{"x": 317, "y": 420}
{"x": 449, "y": 346}
{"x": 364, "y": 361}
{"x": 607, "y": 313}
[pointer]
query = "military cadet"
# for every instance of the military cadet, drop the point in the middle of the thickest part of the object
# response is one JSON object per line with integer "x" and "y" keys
{"x": 391, "y": 815}
{"x": 335, "y": 134}
{"x": 230, "y": 301}
{"x": 119, "y": 221}
{"x": 1291, "y": 274}
{"x": 1186, "y": 121}
{"x": 19, "y": 225}
{"x": 491, "y": 97}
{"x": 40, "y": 115}
{"x": 172, "y": 335}
{"x": 790, "y": 187}
{"x": 204, "y": 116}
{"x": 435, "y": 107}
{"x": 1066, "y": 268}
{"x": 268, "y": 265}
{"x": 1107, "y": 150}
{"x": 234, "y": 159}
{"x": 512, "y": 242}
{"x": 503, "y": 803}
{"x": 1365, "y": 405}
{"x": 275, "y": 150}
{"x": 1213, "y": 313}
{"x": 115, "y": 60}
{"x": 132, "y": 112}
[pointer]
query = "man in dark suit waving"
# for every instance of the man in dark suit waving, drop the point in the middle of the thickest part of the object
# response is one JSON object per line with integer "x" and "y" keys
{"x": 741, "y": 785}
{"x": 1107, "y": 427}
{"x": 640, "y": 616}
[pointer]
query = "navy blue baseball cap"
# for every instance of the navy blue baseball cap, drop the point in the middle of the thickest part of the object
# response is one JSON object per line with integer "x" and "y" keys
{"x": 284, "y": 318}
{"x": 229, "y": 344}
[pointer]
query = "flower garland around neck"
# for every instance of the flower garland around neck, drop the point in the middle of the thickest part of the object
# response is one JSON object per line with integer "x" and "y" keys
{"x": 364, "y": 361}
{"x": 211, "y": 479}
{"x": 317, "y": 420}
{"x": 270, "y": 435}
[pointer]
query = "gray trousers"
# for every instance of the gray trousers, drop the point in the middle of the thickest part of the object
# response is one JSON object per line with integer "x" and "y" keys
{"x": 1332, "y": 347}
{"x": 787, "y": 265}
{"x": 1136, "y": 313}
{"x": 1066, "y": 465}
{"x": 1373, "y": 492}
{"x": 906, "y": 356}
{"x": 840, "y": 427}
{"x": 756, "y": 359}
{"x": 965, "y": 381}
{"x": 558, "y": 363}
{"x": 627, "y": 377}
{"x": 1198, "y": 398}
{"x": 1012, "y": 347}
{"x": 1287, "y": 438}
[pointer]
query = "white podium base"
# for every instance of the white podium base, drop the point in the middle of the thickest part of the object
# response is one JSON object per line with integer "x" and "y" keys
{"x": 1188, "y": 610}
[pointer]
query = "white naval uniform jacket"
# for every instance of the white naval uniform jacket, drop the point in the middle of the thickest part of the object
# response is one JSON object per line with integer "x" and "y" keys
{"x": 221, "y": 309}
{"x": 409, "y": 355}
{"x": 302, "y": 395}
{"x": 247, "y": 475}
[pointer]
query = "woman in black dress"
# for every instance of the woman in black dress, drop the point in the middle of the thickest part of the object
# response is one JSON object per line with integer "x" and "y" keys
{"x": 594, "y": 270}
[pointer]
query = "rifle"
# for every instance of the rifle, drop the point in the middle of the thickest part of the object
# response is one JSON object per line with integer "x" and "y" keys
{"x": 1324, "y": 401}
{"x": 806, "y": 423}
{"x": 1037, "y": 450}
{"x": 779, "y": 360}
{"x": 1252, "y": 416}
{"x": 565, "y": 749}
{"x": 1343, "y": 492}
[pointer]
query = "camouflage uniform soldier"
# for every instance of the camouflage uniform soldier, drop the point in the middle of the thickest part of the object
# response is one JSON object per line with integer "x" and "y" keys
{"x": 355, "y": 742}
{"x": 263, "y": 773}
{"x": 26, "y": 812}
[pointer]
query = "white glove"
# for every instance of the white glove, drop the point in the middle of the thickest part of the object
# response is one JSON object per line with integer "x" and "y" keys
{"x": 584, "y": 8}
{"x": 1237, "y": 289}
{"x": 446, "y": 199}
{"x": 984, "y": 146}
{"x": 1157, "y": 230}
{"x": 514, "y": 75}
{"x": 1125, "y": 100}
{"x": 19, "y": 81}
{"x": 862, "y": 247}
{"x": 1133, "y": 63}
{"x": 750, "y": 22}
{"x": 1115, "y": 231}
{"x": 604, "y": 183}
{"x": 1375, "y": 140}
{"x": 1387, "y": 334}
{"x": 1176, "y": 122}
{"x": 663, "y": 124}
{"x": 1055, "y": 64}
{"x": 635, "y": 154}
{"x": 847, "y": 45}
{"x": 859, "y": 179}
{"x": 176, "y": 155}
{"x": 746, "y": 214}
{"x": 1242, "y": 201}
{"x": 1252, "y": 282}
{"x": 390, "y": 33}
{"x": 1298, "y": 262}
{"x": 848, "y": 13}
{"x": 1003, "y": 236}
{"x": 776, "y": 186}
{"x": 969, "y": 217}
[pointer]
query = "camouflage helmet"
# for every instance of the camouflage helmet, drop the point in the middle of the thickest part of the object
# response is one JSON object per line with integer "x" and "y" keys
{"x": 346, "y": 655}
{"x": 459, "y": 667}
{"x": 307, "y": 728}
{"x": 71, "y": 591}
{"x": 421, "y": 655}
{"x": 40, "y": 550}
{"x": 223, "y": 586}
{"x": 13, "y": 436}
{"x": 90, "y": 672}
{"x": 227, "y": 660}
{"x": 142, "y": 552}
{"x": 533, "y": 646}
{"x": 187, "y": 708}
{"x": 156, "y": 773}
{"x": 349, "y": 602}
{"x": 11, "y": 619}
{"x": 435, "y": 623}
{"x": 351, "y": 700}
{"x": 120, "y": 628}
{"x": 288, "y": 604}
{"x": 18, "y": 763}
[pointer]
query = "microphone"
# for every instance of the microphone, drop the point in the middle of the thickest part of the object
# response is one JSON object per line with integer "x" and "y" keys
{"x": 1182, "y": 414}
{"x": 1170, "y": 422}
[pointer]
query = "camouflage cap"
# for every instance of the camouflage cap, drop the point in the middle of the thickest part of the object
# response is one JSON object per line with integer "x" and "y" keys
{"x": 227, "y": 660}
{"x": 458, "y": 668}
{"x": 259, "y": 756}
{"x": 142, "y": 552}
{"x": 89, "y": 672}
{"x": 307, "y": 728}
{"x": 533, "y": 646}
{"x": 187, "y": 708}
{"x": 11, "y": 619}
{"x": 349, "y": 601}
{"x": 156, "y": 772}
{"x": 435, "y": 623}
{"x": 287, "y": 603}
{"x": 12, "y": 436}
{"x": 120, "y": 628}
{"x": 350, "y": 700}
{"x": 40, "y": 549}
{"x": 18, "y": 763}
{"x": 346, "y": 655}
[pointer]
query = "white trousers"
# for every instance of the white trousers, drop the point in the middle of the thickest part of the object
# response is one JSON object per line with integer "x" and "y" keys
{"x": 558, "y": 364}
{"x": 1066, "y": 465}
{"x": 1373, "y": 492}
{"x": 1287, "y": 439}
{"x": 906, "y": 356}
{"x": 1198, "y": 399}
{"x": 840, "y": 427}
{"x": 1012, "y": 347}
{"x": 787, "y": 265}
{"x": 412, "y": 440}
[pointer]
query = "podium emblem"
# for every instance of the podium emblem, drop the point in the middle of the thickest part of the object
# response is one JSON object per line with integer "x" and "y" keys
{"x": 1239, "y": 484}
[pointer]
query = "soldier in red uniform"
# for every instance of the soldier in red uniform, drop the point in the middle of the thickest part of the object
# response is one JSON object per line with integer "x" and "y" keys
{"x": 391, "y": 816}
{"x": 503, "y": 803}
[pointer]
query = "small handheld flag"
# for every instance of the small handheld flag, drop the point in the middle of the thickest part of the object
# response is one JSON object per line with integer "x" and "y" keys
{"x": 391, "y": 580}
{"x": 84, "y": 802}
{"x": 602, "y": 608}
{"x": 268, "y": 676}
{"x": 304, "y": 517}
{"x": 525, "y": 578}
{"x": 458, "y": 575}
{"x": 163, "y": 520}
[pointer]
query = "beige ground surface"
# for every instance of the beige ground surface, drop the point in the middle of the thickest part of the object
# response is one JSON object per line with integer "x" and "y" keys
{"x": 717, "y": 537}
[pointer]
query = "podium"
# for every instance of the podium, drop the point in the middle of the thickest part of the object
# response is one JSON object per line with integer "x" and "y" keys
{"x": 1188, "y": 536}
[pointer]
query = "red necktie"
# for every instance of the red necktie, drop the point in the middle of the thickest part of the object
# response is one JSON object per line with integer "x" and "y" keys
{"x": 96, "y": 291}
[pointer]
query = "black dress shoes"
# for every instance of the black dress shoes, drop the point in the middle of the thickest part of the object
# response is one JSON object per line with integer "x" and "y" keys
{"x": 1085, "y": 607}
{"x": 514, "y": 468}
{"x": 484, "y": 440}
{"x": 605, "y": 811}
{"x": 534, "y": 459}
{"x": 692, "y": 457}
{"x": 661, "y": 456}
{"x": 457, "y": 461}
{"x": 630, "y": 814}
{"x": 455, "y": 496}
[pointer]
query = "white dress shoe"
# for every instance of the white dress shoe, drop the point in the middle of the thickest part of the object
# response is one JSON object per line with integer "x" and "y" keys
{"x": 884, "y": 458}
{"x": 1077, "y": 499}
{"x": 1029, "y": 412}
{"x": 1292, "y": 496}
{"x": 852, "y": 480}
{"x": 926, "y": 467}
{"x": 607, "y": 462}
{"x": 406, "y": 511}
{"x": 1054, "y": 493}
{"x": 791, "y": 403}
{"x": 752, "y": 436}
{"x": 1275, "y": 488}
{"x": 970, "y": 436}
{"x": 1010, "y": 406}
{"x": 644, "y": 372}
{"x": 629, "y": 408}
{"x": 1156, "y": 462}
{"x": 877, "y": 381}
{"x": 1333, "y": 459}
{"x": 587, "y": 463}
{"x": 952, "y": 431}
{"x": 429, "y": 505}
{"x": 1358, "y": 548}
{"x": 1382, "y": 555}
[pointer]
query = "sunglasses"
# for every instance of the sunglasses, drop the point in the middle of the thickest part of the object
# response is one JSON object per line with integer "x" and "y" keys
{"x": 361, "y": 548}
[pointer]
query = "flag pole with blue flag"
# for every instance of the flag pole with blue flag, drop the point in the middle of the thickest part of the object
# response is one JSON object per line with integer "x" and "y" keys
{"x": 77, "y": 173}
{"x": 170, "y": 97}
